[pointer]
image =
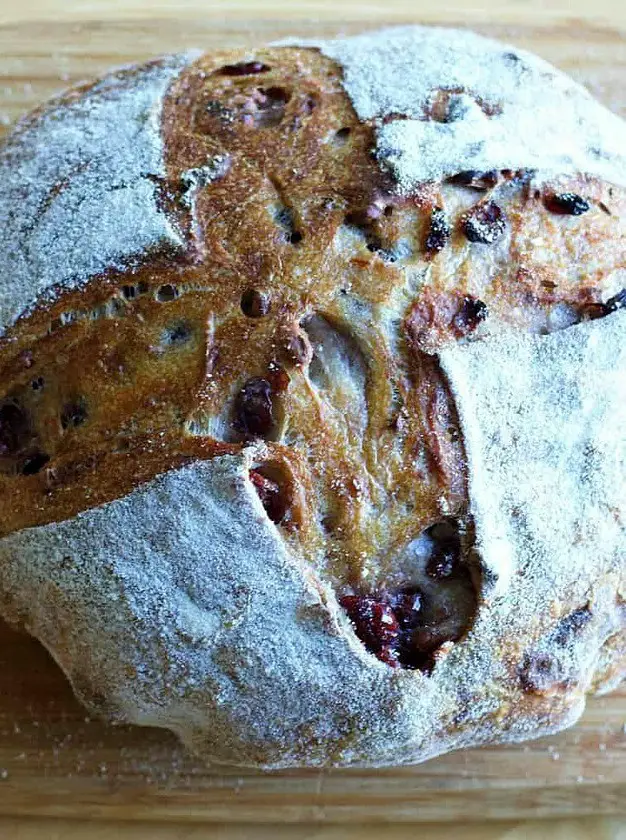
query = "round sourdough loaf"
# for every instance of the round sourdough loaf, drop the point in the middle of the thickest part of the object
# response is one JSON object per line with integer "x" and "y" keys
{"x": 312, "y": 396}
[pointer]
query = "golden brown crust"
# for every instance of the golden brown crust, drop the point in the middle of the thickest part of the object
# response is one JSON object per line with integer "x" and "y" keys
{"x": 311, "y": 157}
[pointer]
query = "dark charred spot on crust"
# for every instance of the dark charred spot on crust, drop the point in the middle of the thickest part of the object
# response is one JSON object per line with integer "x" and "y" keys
{"x": 243, "y": 68}
{"x": 74, "y": 414}
{"x": 618, "y": 301}
{"x": 177, "y": 334}
{"x": 211, "y": 117}
{"x": 475, "y": 179}
{"x": 566, "y": 204}
{"x": 255, "y": 303}
{"x": 14, "y": 429}
{"x": 539, "y": 672}
{"x": 484, "y": 223}
{"x": 439, "y": 231}
{"x": 571, "y": 625}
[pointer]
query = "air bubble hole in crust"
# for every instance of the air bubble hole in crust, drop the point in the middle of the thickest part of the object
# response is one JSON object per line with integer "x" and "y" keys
{"x": 166, "y": 293}
{"x": 243, "y": 68}
{"x": 340, "y": 137}
{"x": 270, "y": 106}
{"x": 284, "y": 218}
{"x": 34, "y": 463}
{"x": 255, "y": 303}
{"x": 14, "y": 429}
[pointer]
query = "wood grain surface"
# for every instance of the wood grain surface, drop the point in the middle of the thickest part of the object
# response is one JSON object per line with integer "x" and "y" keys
{"x": 54, "y": 762}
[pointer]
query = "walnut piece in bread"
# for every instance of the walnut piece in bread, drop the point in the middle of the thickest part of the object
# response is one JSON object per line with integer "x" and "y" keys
{"x": 312, "y": 414}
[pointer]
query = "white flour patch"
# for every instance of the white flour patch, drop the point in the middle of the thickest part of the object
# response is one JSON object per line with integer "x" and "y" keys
{"x": 77, "y": 187}
{"x": 541, "y": 118}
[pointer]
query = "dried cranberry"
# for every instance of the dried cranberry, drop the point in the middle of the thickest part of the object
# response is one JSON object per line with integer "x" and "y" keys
{"x": 539, "y": 672}
{"x": 298, "y": 347}
{"x": 14, "y": 429}
{"x": 255, "y": 304}
{"x": 566, "y": 204}
{"x": 439, "y": 231}
{"x": 390, "y": 656}
{"x": 373, "y": 619}
{"x": 243, "y": 68}
{"x": 475, "y": 179}
{"x": 443, "y": 562}
{"x": 484, "y": 223}
{"x": 278, "y": 377}
{"x": 254, "y": 413}
{"x": 271, "y": 496}
{"x": 407, "y": 605}
{"x": 471, "y": 312}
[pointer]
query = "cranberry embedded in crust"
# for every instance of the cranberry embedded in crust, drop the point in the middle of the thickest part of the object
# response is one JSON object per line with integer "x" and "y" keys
{"x": 443, "y": 562}
{"x": 407, "y": 604}
{"x": 470, "y": 314}
{"x": 271, "y": 496}
{"x": 374, "y": 622}
{"x": 484, "y": 223}
{"x": 254, "y": 416}
{"x": 475, "y": 179}
{"x": 566, "y": 204}
{"x": 439, "y": 231}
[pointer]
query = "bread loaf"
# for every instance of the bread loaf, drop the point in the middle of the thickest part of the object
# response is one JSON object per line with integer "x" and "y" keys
{"x": 312, "y": 398}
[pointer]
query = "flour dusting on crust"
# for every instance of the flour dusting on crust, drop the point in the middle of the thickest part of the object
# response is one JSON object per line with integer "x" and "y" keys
{"x": 90, "y": 202}
{"x": 505, "y": 108}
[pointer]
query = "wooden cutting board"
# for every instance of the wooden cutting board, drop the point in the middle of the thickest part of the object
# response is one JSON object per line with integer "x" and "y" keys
{"x": 56, "y": 762}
